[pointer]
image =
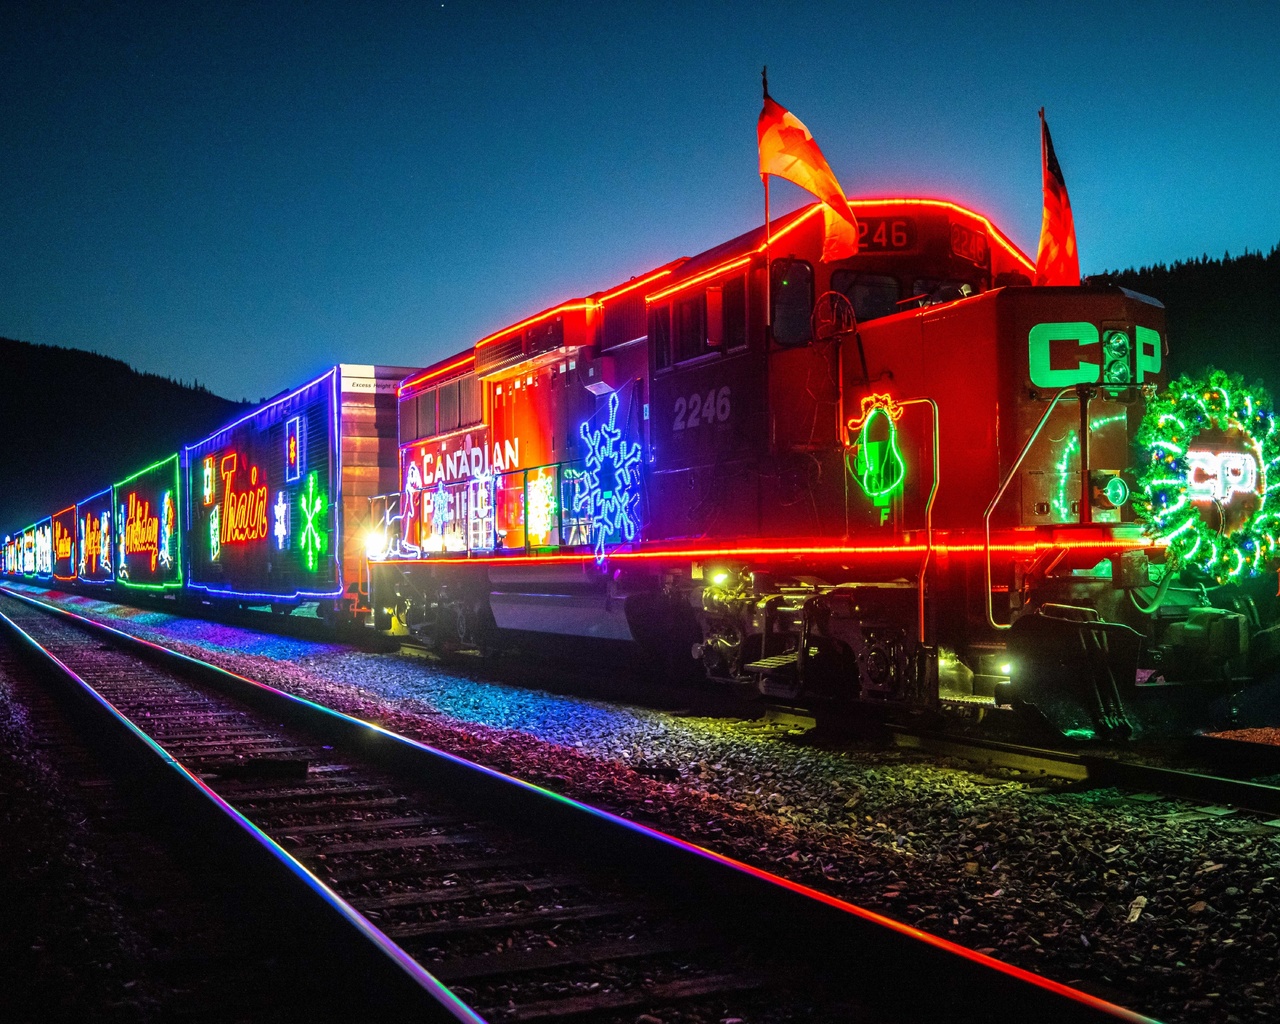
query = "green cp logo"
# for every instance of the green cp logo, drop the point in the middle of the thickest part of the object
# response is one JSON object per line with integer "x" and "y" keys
{"x": 1124, "y": 359}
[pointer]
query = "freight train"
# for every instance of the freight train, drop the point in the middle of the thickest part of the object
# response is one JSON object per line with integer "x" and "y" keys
{"x": 269, "y": 510}
{"x": 906, "y": 480}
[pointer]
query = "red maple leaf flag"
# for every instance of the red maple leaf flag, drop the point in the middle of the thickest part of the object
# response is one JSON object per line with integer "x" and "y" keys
{"x": 1057, "y": 261}
{"x": 787, "y": 150}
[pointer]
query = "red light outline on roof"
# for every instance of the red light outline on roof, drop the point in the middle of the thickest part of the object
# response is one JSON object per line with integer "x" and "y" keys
{"x": 432, "y": 374}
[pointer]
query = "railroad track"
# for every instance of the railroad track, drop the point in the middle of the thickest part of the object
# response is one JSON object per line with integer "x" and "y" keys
{"x": 468, "y": 895}
{"x": 1221, "y": 782}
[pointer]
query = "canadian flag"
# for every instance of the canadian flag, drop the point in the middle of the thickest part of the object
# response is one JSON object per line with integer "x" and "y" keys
{"x": 1057, "y": 261}
{"x": 787, "y": 150}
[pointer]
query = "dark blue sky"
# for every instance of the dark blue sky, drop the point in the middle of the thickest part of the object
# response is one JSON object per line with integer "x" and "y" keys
{"x": 243, "y": 193}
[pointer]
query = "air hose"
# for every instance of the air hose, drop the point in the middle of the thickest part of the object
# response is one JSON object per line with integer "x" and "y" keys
{"x": 1162, "y": 592}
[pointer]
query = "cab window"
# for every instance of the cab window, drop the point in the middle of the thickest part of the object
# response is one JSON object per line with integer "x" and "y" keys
{"x": 872, "y": 295}
{"x": 792, "y": 292}
{"x": 689, "y": 328}
{"x": 932, "y": 291}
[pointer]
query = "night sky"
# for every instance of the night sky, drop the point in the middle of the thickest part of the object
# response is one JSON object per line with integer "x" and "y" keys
{"x": 244, "y": 193}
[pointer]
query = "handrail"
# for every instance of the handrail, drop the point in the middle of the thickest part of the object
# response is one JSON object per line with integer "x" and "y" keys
{"x": 928, "y": 508}
{"x": 1004, "y": 486}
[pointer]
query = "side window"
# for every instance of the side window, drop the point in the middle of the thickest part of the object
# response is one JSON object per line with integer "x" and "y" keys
{"x": 872, "y": 295}
{"x": 792, "y": 289}
{"x": 734, "y": 300}
{"x": 448, "y": 406}
{"x": 469, "y": 405}
{"x": 660, "y": 336}
{"x": 427, "y": 413}
{"x": 689, "y": 328}
{"x": 409, "y": 420}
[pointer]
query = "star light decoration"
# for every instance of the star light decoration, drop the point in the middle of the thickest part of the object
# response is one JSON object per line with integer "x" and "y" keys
{"x": 1178, "y": 478}
{"x": 608, "y": 495}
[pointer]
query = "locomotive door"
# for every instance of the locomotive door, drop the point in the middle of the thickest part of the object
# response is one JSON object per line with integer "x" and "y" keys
{"x": 706, "y": 427}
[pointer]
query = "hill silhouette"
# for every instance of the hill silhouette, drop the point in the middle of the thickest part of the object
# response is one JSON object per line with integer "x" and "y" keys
{"x": 77, "y": 421}
{"x": 1223, "y": 313}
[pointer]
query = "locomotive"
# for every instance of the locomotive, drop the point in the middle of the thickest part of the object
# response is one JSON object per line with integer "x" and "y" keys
{"x": 904, "y": 480}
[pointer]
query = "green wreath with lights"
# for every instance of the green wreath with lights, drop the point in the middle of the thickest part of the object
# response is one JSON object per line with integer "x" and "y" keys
{"x": 1179, "y": 482}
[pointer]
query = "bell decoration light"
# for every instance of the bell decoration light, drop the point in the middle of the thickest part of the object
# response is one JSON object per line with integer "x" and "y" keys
{"x": 878, "y": 465}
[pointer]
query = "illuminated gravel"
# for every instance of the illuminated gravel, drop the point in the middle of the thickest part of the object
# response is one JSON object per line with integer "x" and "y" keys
{"x": 1044, "y": 878}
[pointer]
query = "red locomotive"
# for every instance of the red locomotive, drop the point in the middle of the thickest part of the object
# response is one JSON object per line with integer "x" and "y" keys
{"x": 906, "y": 478}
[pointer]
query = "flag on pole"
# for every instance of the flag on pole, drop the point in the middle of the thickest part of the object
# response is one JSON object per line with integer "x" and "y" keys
{"x": 1057, "y": 261}
{"x": 787, "y": 150}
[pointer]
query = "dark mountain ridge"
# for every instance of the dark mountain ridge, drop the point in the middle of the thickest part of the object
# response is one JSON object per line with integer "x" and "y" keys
{"x": 1223, "y": 313}
{"x": 77, "y": 421}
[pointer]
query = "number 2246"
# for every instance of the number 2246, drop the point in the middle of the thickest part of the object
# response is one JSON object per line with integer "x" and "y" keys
{"x": 698, "y": 409}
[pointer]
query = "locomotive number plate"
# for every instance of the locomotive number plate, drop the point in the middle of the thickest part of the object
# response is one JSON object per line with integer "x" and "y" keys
{"x": 886, "y": 234}
{"x": 697, "y": 409}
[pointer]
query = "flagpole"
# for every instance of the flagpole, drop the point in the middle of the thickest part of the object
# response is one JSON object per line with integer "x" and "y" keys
{"x": 768, "y": 273}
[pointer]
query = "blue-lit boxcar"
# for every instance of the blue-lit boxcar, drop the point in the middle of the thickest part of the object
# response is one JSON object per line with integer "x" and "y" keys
{"x": 277, "y": 503}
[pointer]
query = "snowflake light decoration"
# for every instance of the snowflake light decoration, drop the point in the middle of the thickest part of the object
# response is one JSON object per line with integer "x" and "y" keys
{"x": 215, "y": 533}
{"x": 1202, "y": 490}
{"x": 315, "y": 536}
{"x": 281, "y": 529}
{"x": 612, "y": 475}
{"x": 441, "y": 510}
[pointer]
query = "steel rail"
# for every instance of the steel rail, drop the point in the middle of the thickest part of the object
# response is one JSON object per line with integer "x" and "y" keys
{"x": 847, "y": 944}
{"x": 1098, "y": 770}
{"x": 402, "y": 984}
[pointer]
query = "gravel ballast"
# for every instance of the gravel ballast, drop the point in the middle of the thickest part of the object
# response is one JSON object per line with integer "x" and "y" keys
{"x": 1159, "y": 905}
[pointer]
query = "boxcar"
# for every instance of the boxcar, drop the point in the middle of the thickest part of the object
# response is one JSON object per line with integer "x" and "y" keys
{"x": 28, "y": 552}
{"x": 277, "y": 503}
{"x": 94, "y": 533}
{"x": 64, "y": 544}
{"x": 148, "y": 551}
{"x": 43, "y": 540}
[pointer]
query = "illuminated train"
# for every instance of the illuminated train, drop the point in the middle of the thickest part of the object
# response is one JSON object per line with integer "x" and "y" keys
{"x": 271, "y": 509}
{"x": 905, "y": 480}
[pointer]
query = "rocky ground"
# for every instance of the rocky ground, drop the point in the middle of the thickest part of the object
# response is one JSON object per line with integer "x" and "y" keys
{"x": 103, "y": 915}
{"x": 1167, "y": 908}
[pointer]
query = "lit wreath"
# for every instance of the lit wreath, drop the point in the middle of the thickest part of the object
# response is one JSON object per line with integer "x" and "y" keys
{"x": 1203, "y": 488}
